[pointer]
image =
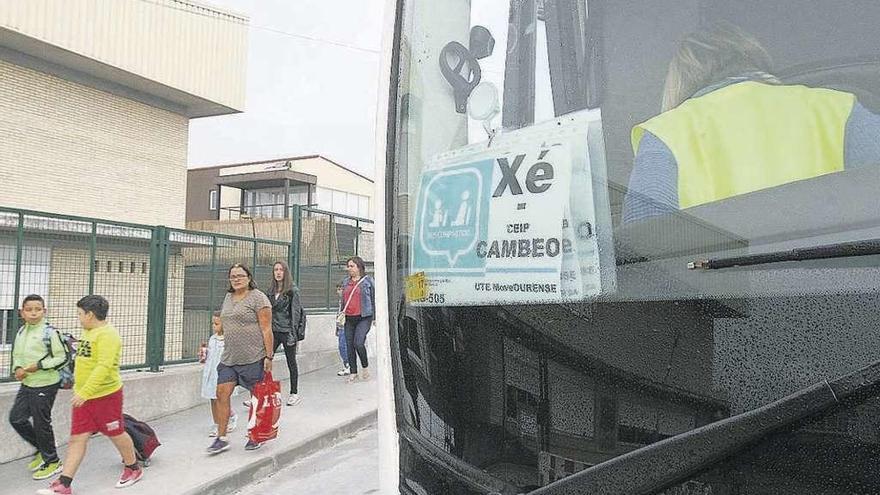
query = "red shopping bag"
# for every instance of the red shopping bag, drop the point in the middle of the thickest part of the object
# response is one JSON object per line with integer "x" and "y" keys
{"x": 265, "y": 410}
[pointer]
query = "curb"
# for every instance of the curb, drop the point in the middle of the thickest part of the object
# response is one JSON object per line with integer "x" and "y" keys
{"x": 264, "y": 467}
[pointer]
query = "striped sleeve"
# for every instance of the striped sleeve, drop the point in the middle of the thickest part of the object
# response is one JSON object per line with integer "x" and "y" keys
{"x": 862, "y": 140}
{"x": 653, "y": 183}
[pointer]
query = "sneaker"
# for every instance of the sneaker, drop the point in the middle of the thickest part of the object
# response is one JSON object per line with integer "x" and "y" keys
{"x": 129, "y": 477}
{"x": 252, "y": 445}
{"x": 36, "y": 462}
{"x": 365, "y": 374}
{"x": 46, "y": 471}
{"x": 294, "y": 399}
{"x": 352, "y": 378}
{"x": 230, "y": 427}
{"x": 56, "y": 488}
{"x": 343, "y": 372}
{"x": 218, "y": 446}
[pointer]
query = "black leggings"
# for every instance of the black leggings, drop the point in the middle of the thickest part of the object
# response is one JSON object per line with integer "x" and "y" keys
{"x": 356, "y": 330}
{"x": 290, "y": 354}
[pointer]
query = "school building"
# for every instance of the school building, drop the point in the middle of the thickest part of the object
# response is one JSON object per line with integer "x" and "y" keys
{"x": 267, "y": 189}
{"x": 256, "y": 199}
{"x": 95, "y": 104}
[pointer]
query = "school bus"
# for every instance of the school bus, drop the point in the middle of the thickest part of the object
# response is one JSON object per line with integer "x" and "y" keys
{"x": 630, "y": 247}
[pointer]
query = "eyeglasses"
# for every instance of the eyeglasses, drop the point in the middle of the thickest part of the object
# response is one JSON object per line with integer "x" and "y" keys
{"x": 237, "y": 277}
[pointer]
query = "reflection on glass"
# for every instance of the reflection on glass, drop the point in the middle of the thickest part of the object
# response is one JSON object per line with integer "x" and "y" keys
{"x": 729, "y": 126}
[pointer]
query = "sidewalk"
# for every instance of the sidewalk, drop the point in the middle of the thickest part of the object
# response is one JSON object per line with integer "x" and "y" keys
{"x": 330, "y": 411}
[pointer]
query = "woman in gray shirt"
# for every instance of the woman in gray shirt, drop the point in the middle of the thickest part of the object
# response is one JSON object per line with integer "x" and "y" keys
{"x": 246, "y": 316}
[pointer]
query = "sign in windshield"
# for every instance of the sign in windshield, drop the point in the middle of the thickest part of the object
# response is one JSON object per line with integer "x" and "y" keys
{"x": 495, "y": 225}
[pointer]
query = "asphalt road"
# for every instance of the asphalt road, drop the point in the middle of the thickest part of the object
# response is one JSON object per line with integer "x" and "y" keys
{"x": 350, "y": 467}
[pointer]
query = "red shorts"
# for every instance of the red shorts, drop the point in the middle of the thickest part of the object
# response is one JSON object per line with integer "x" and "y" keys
{"x": 102, "y": 415}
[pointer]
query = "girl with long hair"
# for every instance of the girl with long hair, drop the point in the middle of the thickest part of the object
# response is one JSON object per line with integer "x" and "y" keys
{"x": 288, "y": 322}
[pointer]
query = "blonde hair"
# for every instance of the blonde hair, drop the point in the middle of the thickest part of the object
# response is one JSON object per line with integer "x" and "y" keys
{"x": 708, "y": 56}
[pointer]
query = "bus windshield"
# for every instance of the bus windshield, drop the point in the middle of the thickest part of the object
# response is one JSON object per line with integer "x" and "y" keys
{"x": 635, "y": 246}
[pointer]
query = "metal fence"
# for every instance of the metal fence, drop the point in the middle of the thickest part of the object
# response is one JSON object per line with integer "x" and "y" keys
{"x": 162, "y": 284}
{"x": 323, "y": 242}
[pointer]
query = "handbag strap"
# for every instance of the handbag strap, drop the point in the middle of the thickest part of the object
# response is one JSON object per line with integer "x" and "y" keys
{"x": 351, "y": 294}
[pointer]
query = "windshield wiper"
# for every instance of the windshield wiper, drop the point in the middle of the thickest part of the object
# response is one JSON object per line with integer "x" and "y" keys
{"x": 840, "y": 250}
{"x": 675, "y": 460}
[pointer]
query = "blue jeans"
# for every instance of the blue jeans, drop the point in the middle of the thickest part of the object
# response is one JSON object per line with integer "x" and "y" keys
{"x": 343, "y": 348}
{"x": 356, "y": 329}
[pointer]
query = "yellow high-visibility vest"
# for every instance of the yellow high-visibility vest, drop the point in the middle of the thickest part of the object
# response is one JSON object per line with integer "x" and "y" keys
{"x": 750, "y": 136}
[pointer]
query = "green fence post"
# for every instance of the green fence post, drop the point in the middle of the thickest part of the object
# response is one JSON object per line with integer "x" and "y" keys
{"x": 213, "y": 292}
{"x": 295, "y": 244}
{"x": 329, "y": 259}
{"x": 16, "y": 290}
{"x": 93, "y": 256}
{"x": 357, "y": 237}
{"x": 157, "y": 303}
{"x": 254, "y": 266}
{"x": 212, "y": 295}
{"x": 290, "y": 263}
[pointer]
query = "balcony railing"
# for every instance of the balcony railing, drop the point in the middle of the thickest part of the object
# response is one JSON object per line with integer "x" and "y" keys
{"x": 273, "y": 210}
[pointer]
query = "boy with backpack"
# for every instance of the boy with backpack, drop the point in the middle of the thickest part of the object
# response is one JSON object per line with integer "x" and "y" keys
{"x": 37, "y": 354}
{"x": 97, "y": 397}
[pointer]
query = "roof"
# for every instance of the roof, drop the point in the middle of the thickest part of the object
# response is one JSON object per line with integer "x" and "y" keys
{"x": 199, "y": 5}
{"x": 256, "y": 180}
{"x": 290, "y": 158}
{"x": 133, "y": 49}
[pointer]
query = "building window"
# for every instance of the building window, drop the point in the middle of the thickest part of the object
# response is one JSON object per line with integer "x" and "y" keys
{"x": 351, "y": 205}
{"x": 339, "y": 199}
{"x": 345, "y": 203}
{"x": 363, "y": 207}
{"x": 34, "y": 266}
{"x": 213, "y": 200}
{"x": 267, "y": 203}
{"x": 299, "y": 195}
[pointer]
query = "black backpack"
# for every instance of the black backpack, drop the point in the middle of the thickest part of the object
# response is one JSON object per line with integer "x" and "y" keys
{"x": 143, "y": 437}
{"x": 69, "y": 343}
{"x": 297, "y": 313}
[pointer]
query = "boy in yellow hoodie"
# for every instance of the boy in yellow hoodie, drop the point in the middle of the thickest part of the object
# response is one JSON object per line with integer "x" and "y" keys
{"x": 97, "y": 396}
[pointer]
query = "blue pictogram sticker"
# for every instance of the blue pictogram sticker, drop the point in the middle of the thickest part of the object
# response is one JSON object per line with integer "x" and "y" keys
{"x": 451, "y": 216}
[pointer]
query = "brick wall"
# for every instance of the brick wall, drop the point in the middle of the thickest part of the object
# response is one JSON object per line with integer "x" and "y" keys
{"x": 69, "y": 148}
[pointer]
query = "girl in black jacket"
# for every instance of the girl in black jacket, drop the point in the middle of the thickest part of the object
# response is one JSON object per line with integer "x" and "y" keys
{"x": 288, "y": 321}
